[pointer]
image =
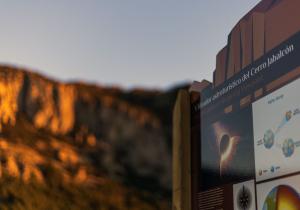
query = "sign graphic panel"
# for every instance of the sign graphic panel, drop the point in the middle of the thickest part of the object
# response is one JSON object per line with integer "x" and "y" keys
{"x": 250, "y": 136}
{"x": 276, "y": 120}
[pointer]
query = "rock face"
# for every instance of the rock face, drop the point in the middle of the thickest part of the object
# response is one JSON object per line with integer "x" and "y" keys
{"x": 85, "y": 133}
{"x": 60, "y": 108}
{"x": 10, "y": 89}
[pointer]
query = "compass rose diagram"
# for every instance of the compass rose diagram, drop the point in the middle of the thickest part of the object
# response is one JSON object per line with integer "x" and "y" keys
{"x": 244, "y": 198}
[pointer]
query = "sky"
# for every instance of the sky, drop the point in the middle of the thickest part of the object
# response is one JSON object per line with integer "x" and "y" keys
{"x": 129, "y": 43}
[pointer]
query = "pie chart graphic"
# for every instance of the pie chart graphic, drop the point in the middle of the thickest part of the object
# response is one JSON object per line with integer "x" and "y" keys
{"x": 282, "y": 197}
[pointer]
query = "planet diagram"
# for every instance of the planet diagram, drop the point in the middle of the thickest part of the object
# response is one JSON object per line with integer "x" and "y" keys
{"x": 269, "y": 139}
{"x": 288, "y": 146}
{"x": 282, "y": 197}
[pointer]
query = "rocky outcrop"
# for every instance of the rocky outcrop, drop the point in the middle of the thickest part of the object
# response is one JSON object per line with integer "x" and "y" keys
{"x": 57, "y": 107}
{"x": 11, "y": 84}
{"x": 83, "y": 131}
{"x": 20, "y": 161}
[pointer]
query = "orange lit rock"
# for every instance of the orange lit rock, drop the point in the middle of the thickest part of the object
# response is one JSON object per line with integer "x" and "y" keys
{"x": 12, "y": 167}
{"x": 10, "y": 87}
{"x": 56, "y": 105}
{"x": 66, "y": 153}
{"x": 32, "y": 172}
{"x": 81, "y": 175}
{"x": 91, "y": 140}
{"x": 3, "y": 144}
{"x": 67, "y": 96}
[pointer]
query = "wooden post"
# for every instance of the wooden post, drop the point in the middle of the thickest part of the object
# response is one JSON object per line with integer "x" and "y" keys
{"x": 181, "y": 152}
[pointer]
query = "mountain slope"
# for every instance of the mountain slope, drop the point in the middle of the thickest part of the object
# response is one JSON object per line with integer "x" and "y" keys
{"x": 80, "y": 146}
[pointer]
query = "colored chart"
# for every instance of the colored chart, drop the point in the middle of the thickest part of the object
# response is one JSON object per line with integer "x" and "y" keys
{"x": 276, "y": 119}
{"x": 281, "y": 194}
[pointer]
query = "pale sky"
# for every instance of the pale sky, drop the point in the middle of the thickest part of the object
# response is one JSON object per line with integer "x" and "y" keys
{"x": 144, "y": 43}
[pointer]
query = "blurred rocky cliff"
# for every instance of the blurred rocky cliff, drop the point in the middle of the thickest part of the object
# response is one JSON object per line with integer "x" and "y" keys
{"x": 75, "y": 134}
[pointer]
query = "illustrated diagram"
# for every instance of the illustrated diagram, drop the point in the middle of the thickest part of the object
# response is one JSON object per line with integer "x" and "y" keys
{"x": 244, "y": 196}
{"x": 276, "y": 131}
{"x": 286, "y": 145}
{"x": 282, "y": 197}
{"x": 280, "y": 194}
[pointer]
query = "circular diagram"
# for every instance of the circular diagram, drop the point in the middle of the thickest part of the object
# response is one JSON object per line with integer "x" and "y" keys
{"x": 288, "y": 147}
{"x": 244, "y": 199}
{"x": 282, "y": 197}
{"x": 268, "y": 139}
